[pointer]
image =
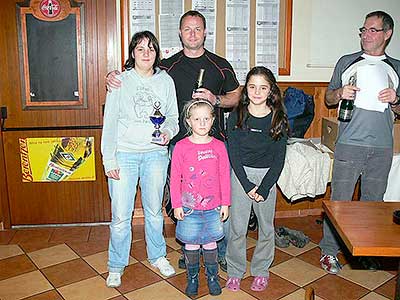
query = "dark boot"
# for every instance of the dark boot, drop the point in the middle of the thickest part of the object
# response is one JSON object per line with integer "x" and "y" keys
{"x": 211, "y": 264}
{"x": 192, "y": 259}
{"x": 212, "y": 279}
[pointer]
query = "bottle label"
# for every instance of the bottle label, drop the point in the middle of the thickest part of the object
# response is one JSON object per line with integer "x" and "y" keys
{"x": 345, "y": 115}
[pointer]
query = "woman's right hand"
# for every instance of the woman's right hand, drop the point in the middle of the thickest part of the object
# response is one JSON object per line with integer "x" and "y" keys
{"x": 111, "y": 80}
{"x": 252, "y": 193}
{"x": 114, "y": 174}
{"x": 178, "y": 213}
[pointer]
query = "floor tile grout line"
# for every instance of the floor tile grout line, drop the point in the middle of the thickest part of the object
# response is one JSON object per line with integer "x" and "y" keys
{"x": 353, "y": 281}
{"x": 368, "y": 291}
{"x": 41, "y": 272}
{"x": 90, "y": 266}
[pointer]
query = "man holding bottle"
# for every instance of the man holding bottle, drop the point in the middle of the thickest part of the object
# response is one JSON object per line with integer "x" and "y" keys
{"x": 364, "y": 146}
{"x": 220, "y": 85}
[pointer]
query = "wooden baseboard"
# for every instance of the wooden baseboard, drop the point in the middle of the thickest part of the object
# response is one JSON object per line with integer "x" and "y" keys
{"x": 138, "y": 217}
{"x": 298, "y": 213}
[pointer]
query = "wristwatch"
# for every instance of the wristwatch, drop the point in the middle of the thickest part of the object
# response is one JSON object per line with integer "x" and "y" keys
{"x": 217, "y": 101}
{"x": 396, "y": 102}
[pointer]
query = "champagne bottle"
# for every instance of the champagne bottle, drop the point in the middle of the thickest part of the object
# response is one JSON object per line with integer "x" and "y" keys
{"x": 347, "y": 106}
{"x": 50, "y": 7}
{"x": 199, "y": 82}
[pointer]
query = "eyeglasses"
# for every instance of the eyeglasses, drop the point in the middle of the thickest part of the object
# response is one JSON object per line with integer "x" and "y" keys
{"x": 372, "y": 30}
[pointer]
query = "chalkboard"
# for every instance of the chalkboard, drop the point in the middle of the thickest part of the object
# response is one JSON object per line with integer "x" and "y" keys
{"x": 52, "y": 58}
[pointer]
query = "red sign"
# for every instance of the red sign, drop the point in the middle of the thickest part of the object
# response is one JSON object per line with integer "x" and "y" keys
{"x": 50, "y": 8}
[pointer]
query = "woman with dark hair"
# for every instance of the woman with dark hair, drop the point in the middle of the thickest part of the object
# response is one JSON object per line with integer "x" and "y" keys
{"x": 129, "y": 153}
{"x": 257, "y": 134}
{"x": 152, "y": 41}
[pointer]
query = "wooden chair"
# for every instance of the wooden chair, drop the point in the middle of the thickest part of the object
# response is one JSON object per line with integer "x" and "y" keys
{"x": 310, "y": 294}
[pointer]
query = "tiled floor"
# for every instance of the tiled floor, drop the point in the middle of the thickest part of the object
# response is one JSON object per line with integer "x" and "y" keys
{"x": 70, "y": 263}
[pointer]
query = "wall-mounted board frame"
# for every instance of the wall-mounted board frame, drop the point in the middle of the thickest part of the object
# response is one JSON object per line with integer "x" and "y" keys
{"x": 285, "y": 36}
{"x": 285, "y": 30}
{"x": 51, "y": 51}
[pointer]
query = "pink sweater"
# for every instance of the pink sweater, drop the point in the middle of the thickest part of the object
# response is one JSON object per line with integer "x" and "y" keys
{"x": 200, "y": 175}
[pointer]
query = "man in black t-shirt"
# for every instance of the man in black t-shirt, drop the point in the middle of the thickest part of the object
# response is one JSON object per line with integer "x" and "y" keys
{"x": 220, "y": 85}
{"x": 219, "y": 78}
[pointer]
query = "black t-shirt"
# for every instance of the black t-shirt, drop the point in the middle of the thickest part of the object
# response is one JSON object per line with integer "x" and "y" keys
{"x": 219, "y": 78}
{"x": 254, "y": 147}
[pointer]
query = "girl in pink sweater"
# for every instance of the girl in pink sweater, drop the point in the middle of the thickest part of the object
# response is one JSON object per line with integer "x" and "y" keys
{"x": 200, "y": 193}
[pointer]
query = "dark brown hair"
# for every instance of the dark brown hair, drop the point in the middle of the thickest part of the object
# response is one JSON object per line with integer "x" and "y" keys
{"x": 136, "y": 39}
{"x": 280, "y": 123}
{"x": 192, "y": 13}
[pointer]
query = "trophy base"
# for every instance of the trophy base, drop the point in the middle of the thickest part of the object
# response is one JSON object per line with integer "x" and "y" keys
{"x": 157, "y": 140}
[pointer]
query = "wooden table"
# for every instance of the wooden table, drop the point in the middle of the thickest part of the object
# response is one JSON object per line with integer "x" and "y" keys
{"x": 367, "y": 228}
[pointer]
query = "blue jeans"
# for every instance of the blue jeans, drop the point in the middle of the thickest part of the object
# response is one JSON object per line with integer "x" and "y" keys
{"x": 151, "y": 168}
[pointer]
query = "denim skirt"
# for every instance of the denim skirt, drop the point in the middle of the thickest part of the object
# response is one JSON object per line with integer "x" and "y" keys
{"x": 200, "y": 227}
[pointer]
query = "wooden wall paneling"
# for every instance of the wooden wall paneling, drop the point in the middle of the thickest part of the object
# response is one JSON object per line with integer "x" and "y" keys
{"x": 321, "y": 110}
{"x": 10, "y": 82}
{"x": 81, "y": 201}
{"x": 306, "y": 206}
{"x": 125, "y": 34}
{"x": 285, "y": 37}
{"x": 4, "y": 207}
{"x": 93, "y": 38}
{"x": 39, "y": 202}
{"x": 8, "y": 91}
{"x": 317, "y": 90}
{"x": 113, "y": 41}
{"x": 283, "y": 204}
{"x": 220, "y": 37}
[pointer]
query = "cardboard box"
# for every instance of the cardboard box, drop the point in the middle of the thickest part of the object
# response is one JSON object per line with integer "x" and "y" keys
{"x": 330, "y": 131}
{"x": 396, "y": 137}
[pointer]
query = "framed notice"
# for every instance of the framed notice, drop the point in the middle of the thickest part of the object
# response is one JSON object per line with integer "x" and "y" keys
{"x": 51, "y": 38}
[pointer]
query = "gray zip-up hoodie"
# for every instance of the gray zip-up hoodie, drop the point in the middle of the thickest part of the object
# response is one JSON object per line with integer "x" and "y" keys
{"x": 127, "y": 126}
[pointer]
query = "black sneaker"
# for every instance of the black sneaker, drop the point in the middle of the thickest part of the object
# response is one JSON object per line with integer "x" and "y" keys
{"x": 297, "y": 238}
{"x": 181, "y": 262}
{"x": 222, "y": 264}
{"x": 281, "y": 241}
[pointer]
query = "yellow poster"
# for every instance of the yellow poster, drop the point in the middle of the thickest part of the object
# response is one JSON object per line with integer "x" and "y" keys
{"x": 57, "y": 159}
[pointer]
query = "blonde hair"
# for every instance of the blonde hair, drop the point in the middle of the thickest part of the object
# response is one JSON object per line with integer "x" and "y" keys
{"x": 195, "y": 103}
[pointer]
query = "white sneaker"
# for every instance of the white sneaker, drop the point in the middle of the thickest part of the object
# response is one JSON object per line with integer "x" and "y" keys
{"x": 113, "y": 279}
{"x": 164, "y": 266}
